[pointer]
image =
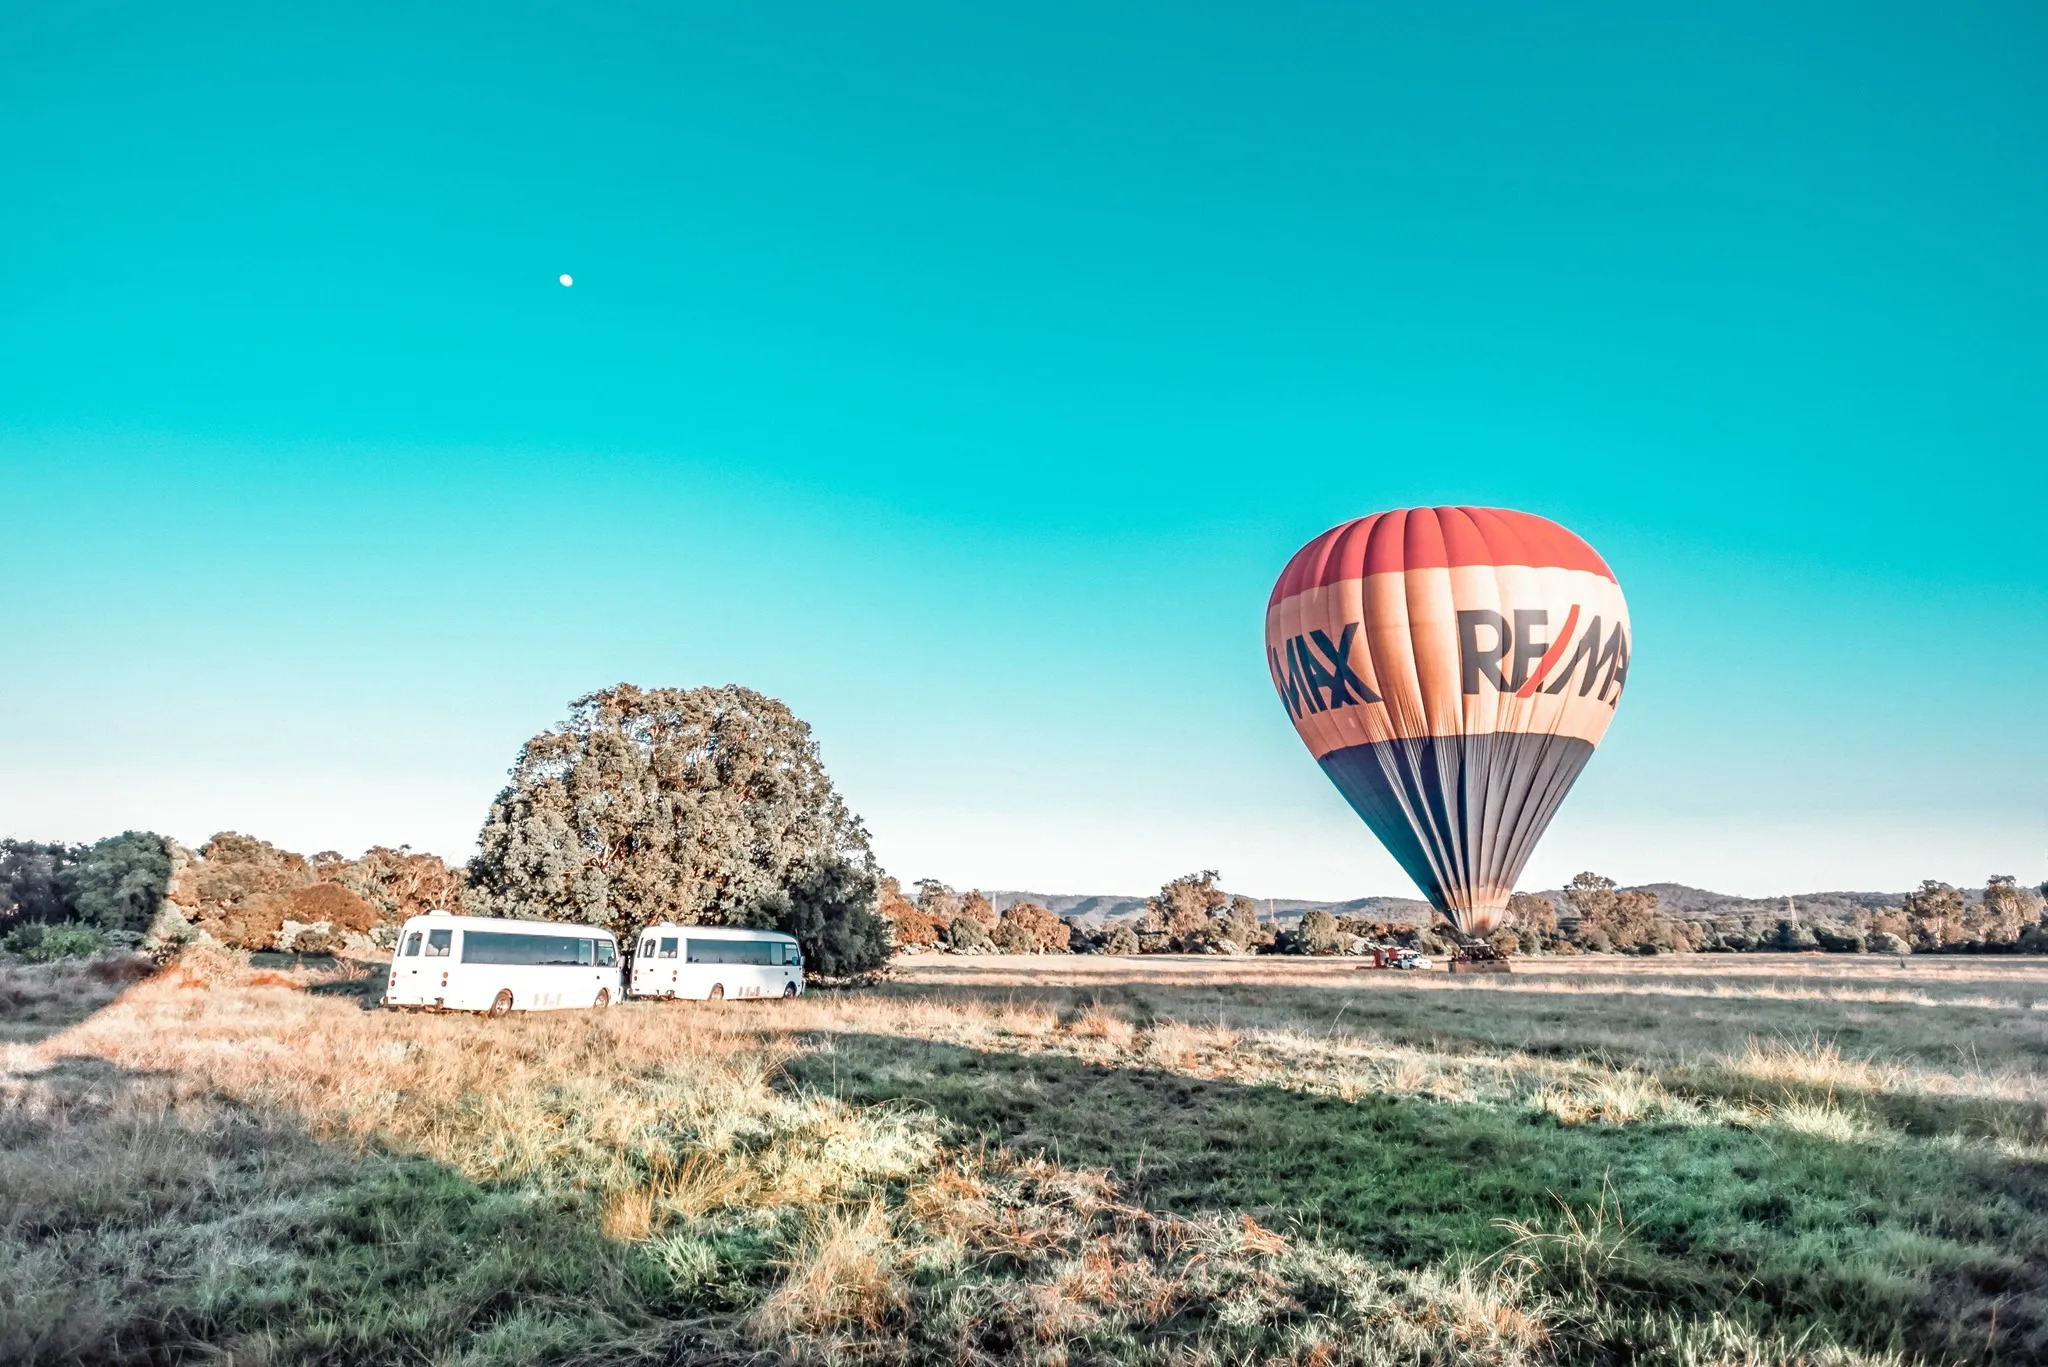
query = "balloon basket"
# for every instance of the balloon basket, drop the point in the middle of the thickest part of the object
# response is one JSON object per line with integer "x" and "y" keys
{"x": 1480, "y": 966}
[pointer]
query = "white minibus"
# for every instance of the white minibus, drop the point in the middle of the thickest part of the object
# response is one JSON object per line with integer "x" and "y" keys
{"x": 487, "y": 963}
{"x": 712, "y": 962}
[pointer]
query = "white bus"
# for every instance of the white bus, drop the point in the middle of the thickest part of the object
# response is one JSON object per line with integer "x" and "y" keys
{"x": 711, "y": 962}
{"x": 488, "y": 963}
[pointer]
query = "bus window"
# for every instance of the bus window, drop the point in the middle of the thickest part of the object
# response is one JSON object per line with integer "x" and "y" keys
{"x": 668, "y": 946}
{"x": 586, "y": 952}
{"x": 647, "y": 949}
{"x": 733, "y": 951}
{"x": 532, "y": 951}
{"x": 607, "y": 955}
{"x": 438, "y": 942}
{"x": 412, "y": 945}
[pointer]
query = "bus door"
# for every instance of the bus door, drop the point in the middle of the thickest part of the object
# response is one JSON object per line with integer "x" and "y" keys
{"x": 423, "y": 959}
{"x": 668, "y": 958}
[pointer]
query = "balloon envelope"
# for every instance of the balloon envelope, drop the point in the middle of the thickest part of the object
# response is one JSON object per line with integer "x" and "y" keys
{"x": 1451, "y": 669}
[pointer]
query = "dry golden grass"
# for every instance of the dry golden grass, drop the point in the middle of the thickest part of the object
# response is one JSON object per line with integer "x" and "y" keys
{"x": 1050, "y": 1160}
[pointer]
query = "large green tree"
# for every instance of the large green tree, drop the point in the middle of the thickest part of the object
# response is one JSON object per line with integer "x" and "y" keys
{"x": 35, "y": 882}
{"x": 1183, "y": 907}
{"x": 120, "y": 881}
{"x": 829, "y": 907}
{"x": 700, "y": 805}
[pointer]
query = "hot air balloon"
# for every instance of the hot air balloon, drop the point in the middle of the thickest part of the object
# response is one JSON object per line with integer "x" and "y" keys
{"x": 1451, "y": 669}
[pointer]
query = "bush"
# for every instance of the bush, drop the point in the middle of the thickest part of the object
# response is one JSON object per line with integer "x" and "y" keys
{"x": 830, "y": 909}
{"x": 334, "y": 904}
{"x": 1320, "y": 933}
{"x": 239, "y": 892}
{"x": 1842, "y": 940}
{"x": 41, "y": 944}
{"x": 1011, "y": 937}
{"x": 317, "y": 940}
{"x": 251, "y": 923}
{"x": 1884, "y": 942}
{"x": 913, "y": 929}
{"x": 1793, "y": 938}
{"x": 967, "y": 936}
{"x": 1047, "y": 933}
{"x": 1118, "y": 939}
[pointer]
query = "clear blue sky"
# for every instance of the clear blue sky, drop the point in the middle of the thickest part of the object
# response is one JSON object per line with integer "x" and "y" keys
{"x": 964, "y": 375}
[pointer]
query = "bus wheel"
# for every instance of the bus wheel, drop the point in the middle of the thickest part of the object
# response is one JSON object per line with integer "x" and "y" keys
{"x": 789, "y": 990}
{"x": 604, "y": 999}
{"x": 502, "y": 1003}
{"x": 717, "y": 993}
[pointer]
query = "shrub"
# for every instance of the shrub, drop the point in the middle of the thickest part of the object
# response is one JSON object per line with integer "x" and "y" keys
{"x": 1840, "y": 940}
{"x": 1047, "y": 933}
{"x": 239, "y": 892}
{"x": 1118, "y": 939}
{"x": 1793, "y": 938}
{"x": 251, "y": 923}
{"x": 966, "y": 936}
{"x": 830, "y": 909}
{"x": 1013, "y": 938}
{"x": 977, "y": 905}
{"x": 41, "y": 944}
{"x": 334, "y": 904}
{"x": 912, "y": 927}
{"x": 317, "y": 940}
{"x": 396, "y": 883}
{"x": 1319, "y": 933}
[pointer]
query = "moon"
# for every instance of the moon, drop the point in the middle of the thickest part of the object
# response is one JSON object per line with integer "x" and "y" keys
{"x": 568, "y": 280}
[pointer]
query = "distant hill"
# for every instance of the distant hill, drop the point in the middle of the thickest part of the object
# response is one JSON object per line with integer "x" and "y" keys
{"x": 1677, "y": 899}
{"x": 1102, "y": 908}
{"x": 1700, "y": 904}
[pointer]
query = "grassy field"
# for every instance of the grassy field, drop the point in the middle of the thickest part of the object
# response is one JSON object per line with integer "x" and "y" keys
{"x": 1825, "y": 1159}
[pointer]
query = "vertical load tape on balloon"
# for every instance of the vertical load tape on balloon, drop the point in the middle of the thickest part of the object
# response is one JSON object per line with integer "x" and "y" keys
{"x": 1451, "y": 669}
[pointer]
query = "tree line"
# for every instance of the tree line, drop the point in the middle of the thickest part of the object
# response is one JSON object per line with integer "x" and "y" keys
{"x": 1600, "y": 918}
{"x": 1192, "y": 915}
{"x": 699, "y": 806}
{"x": 711, "y": 806}
{"x": 1188, "y": 915}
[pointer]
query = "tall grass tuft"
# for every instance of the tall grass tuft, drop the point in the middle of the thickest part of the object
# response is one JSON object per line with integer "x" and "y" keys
{"x": 1579, "y": 1254}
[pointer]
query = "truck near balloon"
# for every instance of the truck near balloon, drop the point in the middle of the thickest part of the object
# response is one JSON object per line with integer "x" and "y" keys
{"x": 1451, "y": 669}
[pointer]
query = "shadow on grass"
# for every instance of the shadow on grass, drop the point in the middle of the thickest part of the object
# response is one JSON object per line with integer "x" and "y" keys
{"x": 366, "y": 992}
{"x": 142, "y": 1225}
{"x": 1900, "y": 1245}
{"x": 42, "y": 1000}
{"x": 1642, "y": 1028}
{"x": 1677, "y": 1037}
